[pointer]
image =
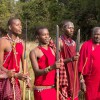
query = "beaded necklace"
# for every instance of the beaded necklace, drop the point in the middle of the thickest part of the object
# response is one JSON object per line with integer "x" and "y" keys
{"x": 13, "y": 44}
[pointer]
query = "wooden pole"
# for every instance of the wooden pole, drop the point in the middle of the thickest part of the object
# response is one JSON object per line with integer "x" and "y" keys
{"x": 24, "y": 69}
{"x": 13, "y": 82}
{"x": 29, "y": 94}
{"x": 24, "y": 83}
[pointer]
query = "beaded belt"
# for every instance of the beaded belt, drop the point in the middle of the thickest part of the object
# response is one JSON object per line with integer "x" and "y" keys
{"x": 41, "y": 88}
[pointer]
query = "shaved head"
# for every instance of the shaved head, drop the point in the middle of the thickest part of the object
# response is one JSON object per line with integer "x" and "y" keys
{"x": 67, "y": 23}
{"x": 10, "y": 21}
{"x": 67, "y": 28}
{"x": 95, "y": 29}
{"x": 96, "y": 35}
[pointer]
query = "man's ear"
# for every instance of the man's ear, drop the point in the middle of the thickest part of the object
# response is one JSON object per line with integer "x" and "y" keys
{"x": 9, "y": 27}
{"x": 37, "y": 36}
{"x": 62, "y": 29}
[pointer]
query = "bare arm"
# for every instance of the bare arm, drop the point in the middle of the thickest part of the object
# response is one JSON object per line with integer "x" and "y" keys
{"x": 74, "y": 58}
{"x": 33, "y": 57}
{"x": 2, "y": 48}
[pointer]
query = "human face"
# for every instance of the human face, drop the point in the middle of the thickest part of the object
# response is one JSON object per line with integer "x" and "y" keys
{"x": 68, "y": 29}
{"x": 43, "y": 36}
{"x": 96, "y": 36}
{"x": 16, "y": 27}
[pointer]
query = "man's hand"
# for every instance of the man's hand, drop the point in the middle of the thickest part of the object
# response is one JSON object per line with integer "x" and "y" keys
{"x": 28, "y": 83}
{"x": 59, "y": 63}
{"x": 83, "y": 86}
{"x": 10, "y": 73}
{"x": 75, "y": 58}
{"x": 21, "y": 76}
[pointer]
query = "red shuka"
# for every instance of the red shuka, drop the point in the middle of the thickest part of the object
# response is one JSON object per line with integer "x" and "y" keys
{"x": 48, "y": 59}
{"x": 11, "y": 62}
{"x": 89, "y": 66}
{"x": 67, "y": 71}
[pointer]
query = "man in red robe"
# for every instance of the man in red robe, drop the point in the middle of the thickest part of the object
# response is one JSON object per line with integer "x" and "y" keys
{"x": 43, "y": 63}
{"x": 89, "y": 66}
{"x": 69, "y": 85}
{"x": 11, "y": 52}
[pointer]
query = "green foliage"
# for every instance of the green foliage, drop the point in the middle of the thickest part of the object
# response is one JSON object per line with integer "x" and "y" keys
{"x": 84, "y": 13}
{"x": 4, "y": 13}
{"x": 37, "y": 14}
{"x": 8, "y": 9}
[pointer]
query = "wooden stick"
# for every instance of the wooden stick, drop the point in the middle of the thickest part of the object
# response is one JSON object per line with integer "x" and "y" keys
{"x": 24, "y": 69}
{"x": 29, "y": 95}
{"x": 13, "y": 87}
{"x": 57, "y": 84}
{"x": 24, "y": 83}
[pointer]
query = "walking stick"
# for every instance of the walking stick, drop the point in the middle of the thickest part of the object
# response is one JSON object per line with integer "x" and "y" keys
{"x": 24, "y": 84}
{"x": 75, "y": 71}
{"x": 29, "y": 94}
{"x": 13, "y": 83}
{"x": 57, "y": 58}
{"x": 24, "y": 69}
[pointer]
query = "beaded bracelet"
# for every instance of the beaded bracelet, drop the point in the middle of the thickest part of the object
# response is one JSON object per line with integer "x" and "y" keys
{"x": 71, "y": 59}
{"x": 47, "y": 69}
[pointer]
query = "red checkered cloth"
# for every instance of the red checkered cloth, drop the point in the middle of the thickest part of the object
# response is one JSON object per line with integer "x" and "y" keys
{"x": 63, "y": 82}
{"x": 6, "y": 90}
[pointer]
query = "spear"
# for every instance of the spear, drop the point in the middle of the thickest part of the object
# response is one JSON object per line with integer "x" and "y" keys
{"x": 78, "y": 41}
{"x": 75, "y": 71}
{"x": 57, "y": 58}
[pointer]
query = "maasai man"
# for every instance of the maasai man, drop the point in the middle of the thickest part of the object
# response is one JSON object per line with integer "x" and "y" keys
{"x": 11, "y": 52}
{"x": 43, "y": 63}
{"x": 68, "y": 53}
{"x": 89, "y": 66}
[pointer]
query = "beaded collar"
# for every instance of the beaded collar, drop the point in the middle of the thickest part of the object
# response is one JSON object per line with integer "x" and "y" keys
{"x": 67, "y": 41}
{"x": 17, "y": 40}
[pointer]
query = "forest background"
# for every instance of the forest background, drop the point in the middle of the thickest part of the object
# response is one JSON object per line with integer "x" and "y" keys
{"x": 85, "y": 14}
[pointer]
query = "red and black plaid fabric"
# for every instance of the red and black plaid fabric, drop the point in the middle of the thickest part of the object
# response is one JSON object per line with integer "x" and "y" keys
{"x": 63, "y": 82}
{"x": 63, "y": 77}
{"x": 6, "y": 90}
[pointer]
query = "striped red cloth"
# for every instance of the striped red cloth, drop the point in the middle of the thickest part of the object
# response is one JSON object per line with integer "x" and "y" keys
{"x": 11, "y": 62}
{"x": 6, "y": 90}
